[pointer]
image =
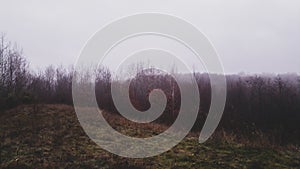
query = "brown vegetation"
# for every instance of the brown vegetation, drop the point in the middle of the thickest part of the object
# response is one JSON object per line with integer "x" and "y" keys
{"x": 50, "y": 136}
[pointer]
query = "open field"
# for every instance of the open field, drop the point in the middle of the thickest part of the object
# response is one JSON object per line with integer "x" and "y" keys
{"x": 49, "y": 136}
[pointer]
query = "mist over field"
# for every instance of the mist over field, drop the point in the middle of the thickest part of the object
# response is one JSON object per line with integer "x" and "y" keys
{"x": 150, "y": 84}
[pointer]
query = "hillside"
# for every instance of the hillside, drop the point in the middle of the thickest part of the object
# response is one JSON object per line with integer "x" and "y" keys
{"x": 49, "y": 136}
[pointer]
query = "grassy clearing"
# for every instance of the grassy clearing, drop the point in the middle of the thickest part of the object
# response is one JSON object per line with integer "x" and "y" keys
{"x": 49, "y": 136}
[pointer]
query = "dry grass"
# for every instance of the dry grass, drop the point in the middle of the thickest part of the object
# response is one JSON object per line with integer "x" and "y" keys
{"x": 50, "y": 136}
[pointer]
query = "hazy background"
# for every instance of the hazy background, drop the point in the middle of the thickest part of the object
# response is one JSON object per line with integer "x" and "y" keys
{"x": 251, "y": 36}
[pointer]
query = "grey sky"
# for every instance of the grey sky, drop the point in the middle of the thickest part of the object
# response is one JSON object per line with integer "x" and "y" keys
{"x": 252, "y": 36}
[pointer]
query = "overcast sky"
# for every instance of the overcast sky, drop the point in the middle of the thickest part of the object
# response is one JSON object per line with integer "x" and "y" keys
{"x": 251, "y": 36}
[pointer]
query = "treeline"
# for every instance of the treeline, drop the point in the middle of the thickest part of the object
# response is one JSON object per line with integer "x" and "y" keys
{"x": 14, "y": 74}
{"x": 20, "y": 85}
{"x": 267, "y": 104}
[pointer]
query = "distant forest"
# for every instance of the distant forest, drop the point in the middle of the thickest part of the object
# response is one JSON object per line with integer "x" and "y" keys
{"x": 257, "y": 105}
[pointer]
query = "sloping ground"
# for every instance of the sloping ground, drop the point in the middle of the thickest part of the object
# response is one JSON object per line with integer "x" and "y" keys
{"x": 49, "y": 136}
